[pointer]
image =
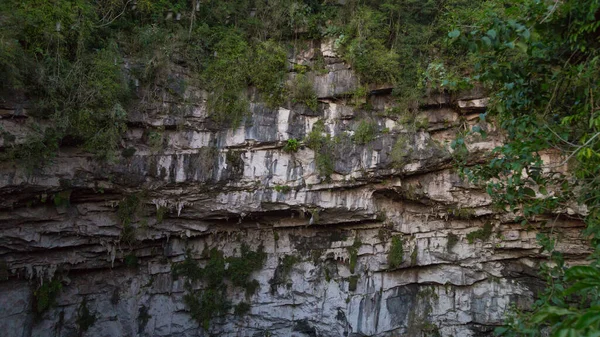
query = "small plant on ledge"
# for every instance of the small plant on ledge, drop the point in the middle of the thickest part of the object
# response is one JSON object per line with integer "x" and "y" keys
{"x": 292, "y": 145}
{"x": 282, "y": 188}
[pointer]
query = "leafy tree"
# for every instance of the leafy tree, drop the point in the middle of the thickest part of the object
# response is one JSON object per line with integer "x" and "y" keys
{"x": 540, "y": 61}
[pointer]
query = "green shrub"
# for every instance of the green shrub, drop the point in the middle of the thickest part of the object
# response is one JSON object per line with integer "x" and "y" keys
{"x": 207, "y": 304}
{"x": 359, "y": 96}
{"x": 67, "y": 57}
{"x": 324, "y": 164}
{"x": 211, "y": 301}
{"x": 62, "y": 198}
{"x": 160, "y": 214}
{"x": 462, "y": 213}
{"x": 481, "y": 234}
{"x": 287, "y": 263}
{"x": 240, "y": 268}
{"x": 226, "y": 78}
{"x": 267, "y": 70}
{"x": 317, "y": 137}
{"x": 365, "y": 132}
{"x": 85, "y": 319}
{"x": 189, "y": 268}
{"x": 373, "y": 62}
{"x": 353, "y": 282}
{"x": 322, "y": 144}
{"x": 129, "y": 208}
{"x": 154, "y": 140}
{"x": 45, "y": 295}
{"x": 396, "y": 253}
{"x": 365, "y": 49}
{"x": 242, "y": 309}
{"x": 422, "y": 123}
{"x": 353, "y": 252}
{"x": 292, "y": 145}
{"x": 452, "y": 241}
{"x": 282, "y": 188}
{"x": 4, "y": 271}
{"x": 302, "y": 91}
{"x": 401, "y": 151}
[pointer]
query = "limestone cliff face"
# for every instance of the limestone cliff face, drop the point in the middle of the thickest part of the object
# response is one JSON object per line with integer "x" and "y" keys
{"x": 381, "y": 248}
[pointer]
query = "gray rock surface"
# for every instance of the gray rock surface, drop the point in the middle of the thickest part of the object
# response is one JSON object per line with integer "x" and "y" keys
{"x": 205, "y": 187}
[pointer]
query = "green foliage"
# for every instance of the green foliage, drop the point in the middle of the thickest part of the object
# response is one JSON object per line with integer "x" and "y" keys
{"x": 128, "y": 210}
{"x": 320, "y": 141}
{"x": 211, "y": 301}
{"x": 359, "y": 96}
{"x": 327, "y": 149}
{"x": 372, "y": 60}
{"x": 353, "y": 282}
{"x": 292, "y": 145}
{"x": 288, "y": 262}
{"x": 154, "y": 140}
{"x": 462, "y": 213}
{"x": 240, "y": 268}
{"x": 324, "y": 163}
{"x": 413, "y": 257}
{"x": 85, "y": 319}
{"x": 62, "y": 198}
{"x": 541, "y": 65}
{"x": 225, "y": 78}
{"x": 131, "y": 260}
{"x": 460, "y": 153}
{"x": 283, "y": 270}
{"x": 68, "y": 58}
{"x": 267, "y": 70}
{"x": 401, "y": 151}
{"x": 482, "y": 234}
{"x": 45, "y": 295}
{"x": 161, "y": 211}
{"x": 206, "y": 304}
{"x": 365, "y": 48}
{"x": 396, "y": 253}
{"x": 365, "y": 132}
{"x": 241, "y": 309}
{"x": 452, "y": 241}
{"x": 302, "y": 91}
{"x": 190, "y": 269}
{"x": 353, "y": 253}
{"x": 79, "y": 87}
{"x": 282, "y": 188}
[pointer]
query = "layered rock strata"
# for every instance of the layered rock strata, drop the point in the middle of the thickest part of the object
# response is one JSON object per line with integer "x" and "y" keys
{"x": 392, "y": 243}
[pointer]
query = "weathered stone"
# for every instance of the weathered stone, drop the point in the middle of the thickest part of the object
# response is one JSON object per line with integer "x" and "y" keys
{"x": 208, "y": 186}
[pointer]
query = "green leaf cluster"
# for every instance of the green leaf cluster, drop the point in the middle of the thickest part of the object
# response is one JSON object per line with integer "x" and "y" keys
{"x": 45, "y": 295}
{"x": 365, "y": 132}
{"x": 396, "y": 253}
{"x": 541, "y": 65}
{"x": 211, "y": 301}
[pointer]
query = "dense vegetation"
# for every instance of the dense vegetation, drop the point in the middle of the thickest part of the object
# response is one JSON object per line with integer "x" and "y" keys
{"x": 540, "y": 62}
{"x": 82, "y": 65}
